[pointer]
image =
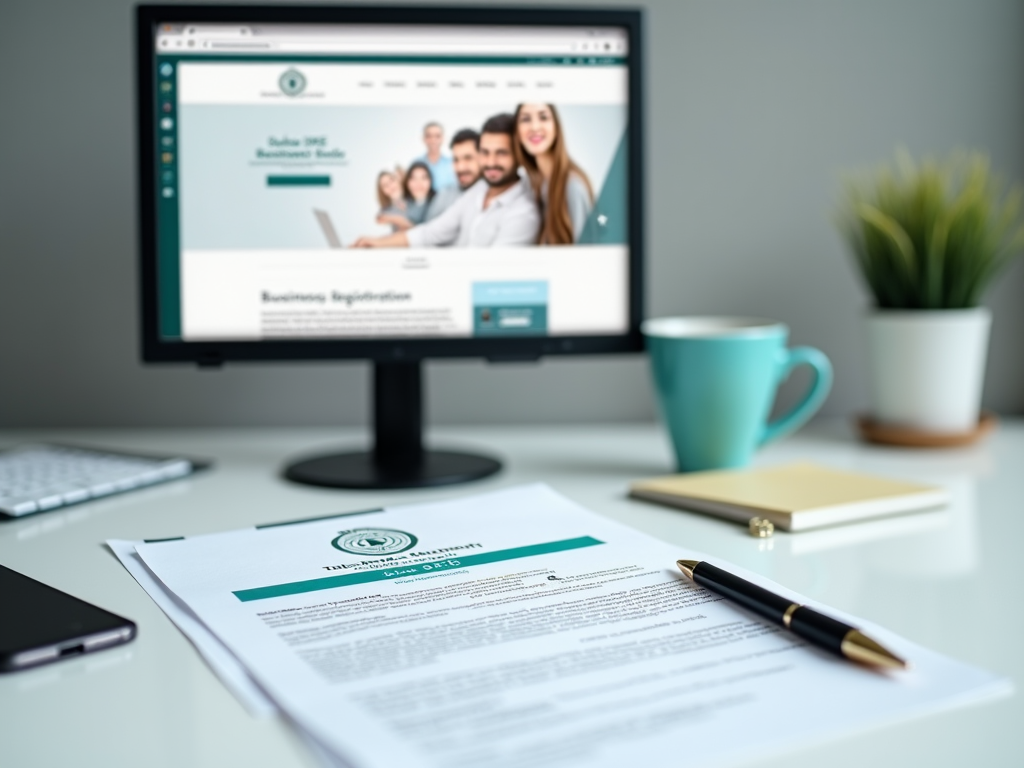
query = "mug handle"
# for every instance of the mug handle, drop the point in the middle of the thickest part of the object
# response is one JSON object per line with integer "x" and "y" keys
{"x": 811, "y": 401}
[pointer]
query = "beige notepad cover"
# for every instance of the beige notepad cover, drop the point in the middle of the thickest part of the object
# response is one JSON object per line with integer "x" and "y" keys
{"x": 795, "y": 497}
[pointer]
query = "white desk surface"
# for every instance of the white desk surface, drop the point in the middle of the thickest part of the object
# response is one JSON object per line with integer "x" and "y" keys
{"x": 949, "y": 579}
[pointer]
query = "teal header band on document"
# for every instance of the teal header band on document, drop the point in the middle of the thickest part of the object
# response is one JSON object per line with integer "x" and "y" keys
{"x": 414, "y": 569}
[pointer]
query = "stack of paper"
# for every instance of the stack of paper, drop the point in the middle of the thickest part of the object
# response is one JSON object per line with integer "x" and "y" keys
{"x": 512, "y": 629}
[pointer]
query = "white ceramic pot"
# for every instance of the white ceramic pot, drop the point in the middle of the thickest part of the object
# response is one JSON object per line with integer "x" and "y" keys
{"x": 927, "y": 367}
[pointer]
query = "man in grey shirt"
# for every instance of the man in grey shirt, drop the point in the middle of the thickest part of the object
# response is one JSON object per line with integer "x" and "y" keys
{"x": 499, "y": 210}
{"x": 465, "y": 149}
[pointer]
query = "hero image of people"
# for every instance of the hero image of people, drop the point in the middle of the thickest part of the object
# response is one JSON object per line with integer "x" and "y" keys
{"x": 512, "y": 183}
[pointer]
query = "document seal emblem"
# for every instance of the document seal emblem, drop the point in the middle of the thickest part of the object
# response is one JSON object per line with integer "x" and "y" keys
{"x": 373, "y": 541}
{"x": 292, "y": 82}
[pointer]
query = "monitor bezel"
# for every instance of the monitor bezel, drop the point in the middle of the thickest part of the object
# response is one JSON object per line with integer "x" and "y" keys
{"x": 158, "y": 349}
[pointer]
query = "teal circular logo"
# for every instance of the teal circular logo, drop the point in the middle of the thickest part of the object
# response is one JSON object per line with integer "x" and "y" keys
{"x": 373, "y": 541}
{"x": 292, "y": 82}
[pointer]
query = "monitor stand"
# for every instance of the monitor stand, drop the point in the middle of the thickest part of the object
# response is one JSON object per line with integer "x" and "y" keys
{"x": 398, "y": 458}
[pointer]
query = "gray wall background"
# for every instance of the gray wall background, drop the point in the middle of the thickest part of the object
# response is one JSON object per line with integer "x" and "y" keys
{"x": 755, "y": 106}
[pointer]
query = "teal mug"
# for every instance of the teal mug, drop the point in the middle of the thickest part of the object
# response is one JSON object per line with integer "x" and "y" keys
{"x": 716, "y": 379}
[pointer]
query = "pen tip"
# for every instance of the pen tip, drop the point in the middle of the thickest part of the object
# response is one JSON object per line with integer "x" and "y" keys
{"x": 687, "y": 566}
{"x": 859, "y": 647}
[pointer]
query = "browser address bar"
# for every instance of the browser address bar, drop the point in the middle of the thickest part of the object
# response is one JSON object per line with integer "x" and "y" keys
{"x": 389, "y": 47}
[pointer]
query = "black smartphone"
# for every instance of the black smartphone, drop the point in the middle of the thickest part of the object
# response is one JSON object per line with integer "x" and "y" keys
{"x": 41, "y": 624}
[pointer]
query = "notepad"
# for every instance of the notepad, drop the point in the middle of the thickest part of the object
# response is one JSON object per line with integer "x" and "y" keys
{"x": 795, "y": 497}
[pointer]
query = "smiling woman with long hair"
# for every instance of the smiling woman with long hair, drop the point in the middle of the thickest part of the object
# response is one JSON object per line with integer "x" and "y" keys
{"x": 562, "y": 188}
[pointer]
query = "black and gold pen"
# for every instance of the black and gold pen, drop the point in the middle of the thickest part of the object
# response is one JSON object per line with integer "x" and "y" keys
{"x": 816, "y": 628}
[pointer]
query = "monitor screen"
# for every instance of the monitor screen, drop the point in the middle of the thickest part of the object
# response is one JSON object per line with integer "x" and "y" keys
{"x": 361, "y": 181}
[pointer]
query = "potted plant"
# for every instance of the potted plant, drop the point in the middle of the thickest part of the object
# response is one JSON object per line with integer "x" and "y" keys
{"x": 928, "y": 238}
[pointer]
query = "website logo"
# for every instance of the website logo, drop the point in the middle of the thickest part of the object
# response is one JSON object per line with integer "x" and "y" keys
{"x": 292, "y": 82}
{"x": 373, "y": 541}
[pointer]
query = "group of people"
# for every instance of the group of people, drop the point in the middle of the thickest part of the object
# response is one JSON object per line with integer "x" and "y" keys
{"x": 511, "y": 183}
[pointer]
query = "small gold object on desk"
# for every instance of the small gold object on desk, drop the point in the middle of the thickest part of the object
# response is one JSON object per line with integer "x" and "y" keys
{"x": 761, "y": 528}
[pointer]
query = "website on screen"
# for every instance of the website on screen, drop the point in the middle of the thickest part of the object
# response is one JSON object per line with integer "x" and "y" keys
{"x": 389, "y": 194}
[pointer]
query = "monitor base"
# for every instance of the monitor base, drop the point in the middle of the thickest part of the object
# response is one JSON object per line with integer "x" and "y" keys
{"x": 398, "y": 458}
{"x": 360, "y": 470}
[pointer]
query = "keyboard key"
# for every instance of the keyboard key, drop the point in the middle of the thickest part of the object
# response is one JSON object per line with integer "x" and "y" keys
{"x": 41, "y": 477}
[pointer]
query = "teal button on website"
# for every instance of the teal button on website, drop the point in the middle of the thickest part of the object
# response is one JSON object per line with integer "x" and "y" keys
{"x": 417, "y": 569}
{"x": 298, "y": 181}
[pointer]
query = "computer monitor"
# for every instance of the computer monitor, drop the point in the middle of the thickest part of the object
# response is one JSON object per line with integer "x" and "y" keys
{"x": 389, "y": 184}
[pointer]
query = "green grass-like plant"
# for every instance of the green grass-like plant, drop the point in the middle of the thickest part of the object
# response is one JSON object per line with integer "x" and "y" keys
{"x": 933, "y": 235}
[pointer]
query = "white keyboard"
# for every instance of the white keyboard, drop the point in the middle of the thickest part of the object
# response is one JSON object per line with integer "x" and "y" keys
{"x": 35, "y": 478}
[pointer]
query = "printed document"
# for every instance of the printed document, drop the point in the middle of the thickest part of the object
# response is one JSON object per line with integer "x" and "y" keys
{"x": 519, "y": 629}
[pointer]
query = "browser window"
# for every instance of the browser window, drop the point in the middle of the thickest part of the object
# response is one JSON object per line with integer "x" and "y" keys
{"x": 364, "y": 182}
